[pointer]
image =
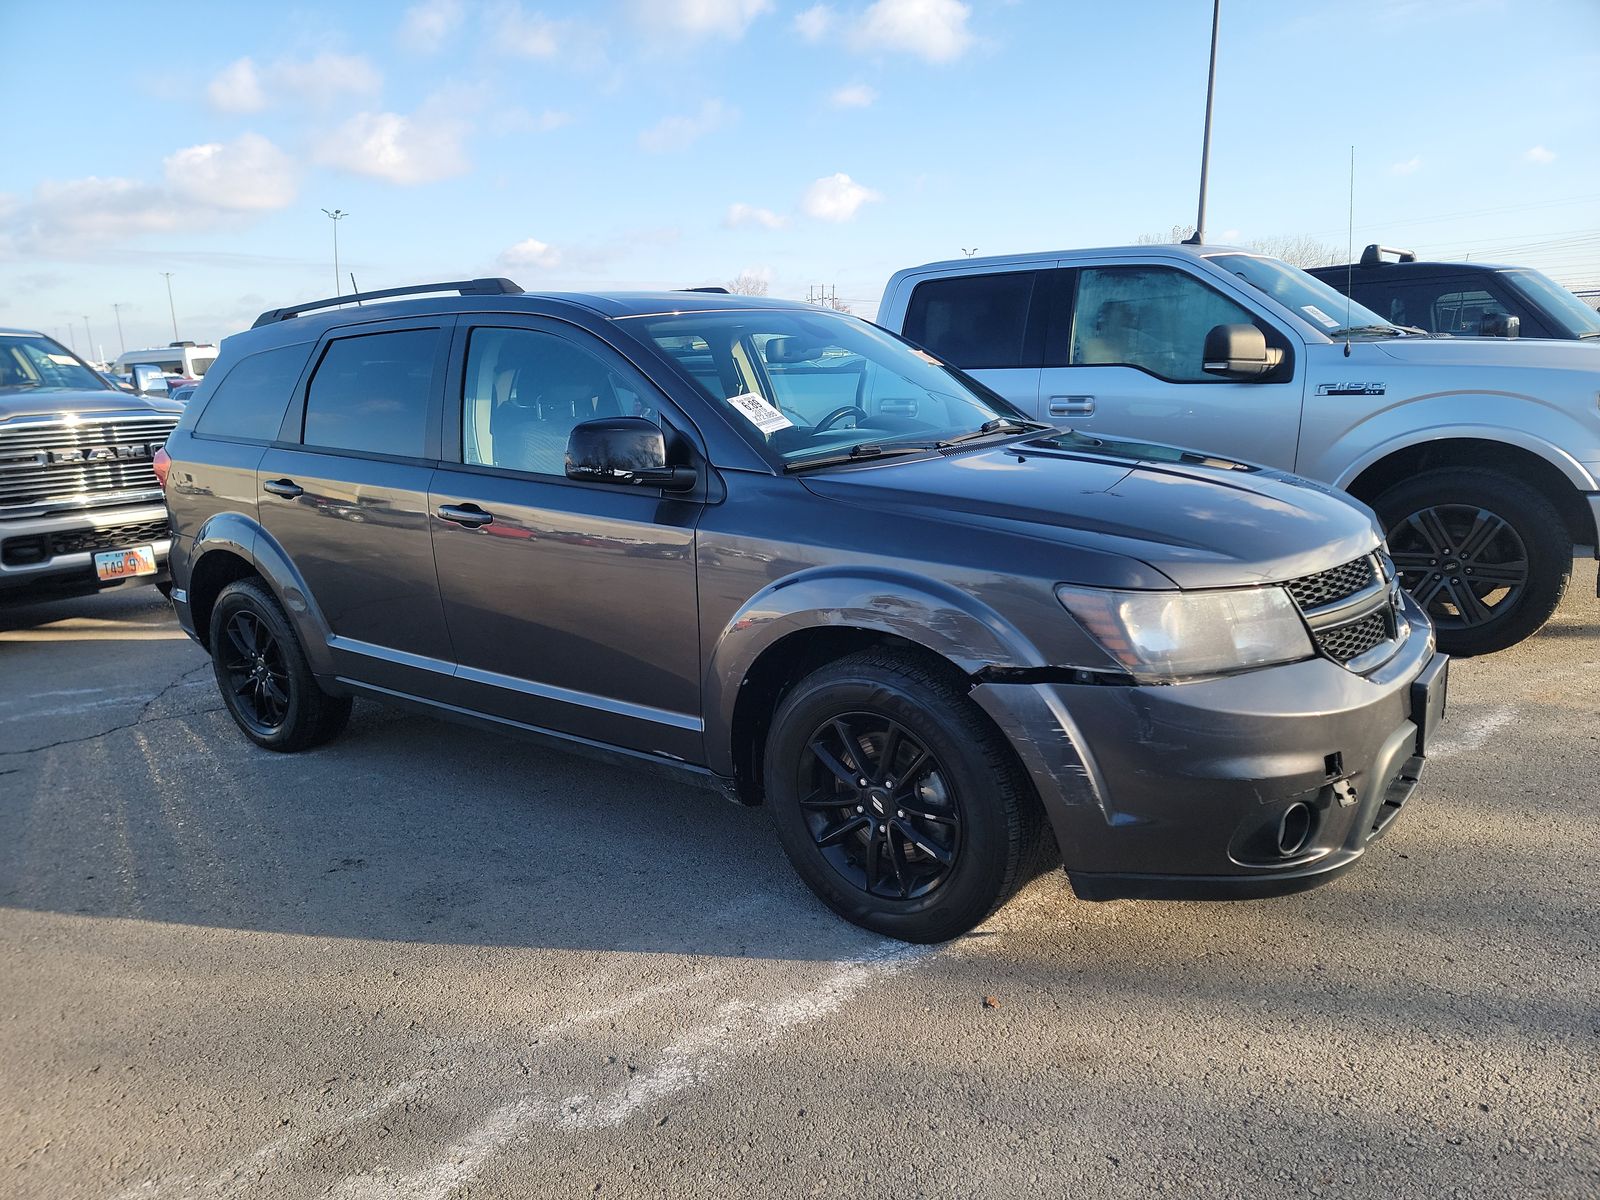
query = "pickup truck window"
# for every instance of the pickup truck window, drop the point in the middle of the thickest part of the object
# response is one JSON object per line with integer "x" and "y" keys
{"x": 1154, "y": 318}
{"x": 976, "y": 321}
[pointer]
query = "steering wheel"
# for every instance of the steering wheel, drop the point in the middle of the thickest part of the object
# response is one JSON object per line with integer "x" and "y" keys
{"x": 844, "y": 410}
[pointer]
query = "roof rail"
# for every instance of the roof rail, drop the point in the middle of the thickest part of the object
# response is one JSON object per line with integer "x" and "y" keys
{"x": 1372, "y": 256}
{"x": 720, "y": 291}
{"x": 464, "y": 287}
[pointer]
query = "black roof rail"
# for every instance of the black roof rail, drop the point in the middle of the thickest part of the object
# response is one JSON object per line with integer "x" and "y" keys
{"x": 464, "y": 287}
{"x": 721, "y": 291}
{"x": 1372, "y": 256}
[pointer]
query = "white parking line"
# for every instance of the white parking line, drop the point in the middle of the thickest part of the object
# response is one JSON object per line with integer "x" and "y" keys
{"x": 1475, "y": 734}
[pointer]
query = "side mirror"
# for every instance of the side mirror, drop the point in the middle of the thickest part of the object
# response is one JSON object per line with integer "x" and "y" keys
{"x": 148, "y": 379}
{"x": 625, "y": 450}
{"x": 1497, "y": 324}
{"x": 1239, "y": 352}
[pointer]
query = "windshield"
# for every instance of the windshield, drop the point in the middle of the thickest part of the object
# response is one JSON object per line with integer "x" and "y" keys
{"x": 1320, "y": 306}
{"x": 812, "y": 385}
{"x": 1577, "y": 317}
{"x": 34, "y": 363}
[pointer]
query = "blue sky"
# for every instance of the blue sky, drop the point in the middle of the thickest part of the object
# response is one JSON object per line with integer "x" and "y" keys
{"x": 669, "y": 143}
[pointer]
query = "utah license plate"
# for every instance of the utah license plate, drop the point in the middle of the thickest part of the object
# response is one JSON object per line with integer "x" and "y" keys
{"x": 124, "y": 564}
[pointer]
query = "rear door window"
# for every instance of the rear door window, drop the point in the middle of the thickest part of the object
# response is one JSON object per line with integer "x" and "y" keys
{"x": 249, "y": 403}
{"x": 372, "y": 393}
{"x": 976, "y": 322}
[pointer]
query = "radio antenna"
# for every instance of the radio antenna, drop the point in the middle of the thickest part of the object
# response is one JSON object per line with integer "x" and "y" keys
{"x": 1350, "y": 254}
{"x": 354, "y": 289}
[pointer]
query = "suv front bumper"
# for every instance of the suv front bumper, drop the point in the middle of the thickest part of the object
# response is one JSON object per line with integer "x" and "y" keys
{"x": 1182, "y": 791}
{"x": 43, "y": 553}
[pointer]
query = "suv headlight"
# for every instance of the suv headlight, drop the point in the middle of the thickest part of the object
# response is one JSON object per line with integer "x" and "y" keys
{"x": 1173, "y": 635}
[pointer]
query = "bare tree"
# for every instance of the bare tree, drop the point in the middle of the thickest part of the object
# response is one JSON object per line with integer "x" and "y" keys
{"x": 1299, "y": 251}
{"x": 748, "y": 284}
{"x": 1180, "y": 233}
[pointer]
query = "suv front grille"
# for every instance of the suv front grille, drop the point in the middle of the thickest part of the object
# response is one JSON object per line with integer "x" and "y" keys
{"x": 1346, "y": 642}
{"x": 1329, "y": 587}
{"x": 60, "y": 464}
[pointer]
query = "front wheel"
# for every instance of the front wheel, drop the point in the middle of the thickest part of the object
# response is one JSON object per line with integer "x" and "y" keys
{"x": 263, "y": 675}
{"x": 1486, "y": 555}
{"x": 896, "y": 800}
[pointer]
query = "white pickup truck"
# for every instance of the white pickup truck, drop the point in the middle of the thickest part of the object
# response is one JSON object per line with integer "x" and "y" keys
{"x": 1482, "y": 457}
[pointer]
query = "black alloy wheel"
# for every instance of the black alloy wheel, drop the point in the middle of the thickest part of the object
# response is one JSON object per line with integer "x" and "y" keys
{"x": 1460, "y": 562}
{"x": 879, "y": 806}
{"x": 256, "y": 671}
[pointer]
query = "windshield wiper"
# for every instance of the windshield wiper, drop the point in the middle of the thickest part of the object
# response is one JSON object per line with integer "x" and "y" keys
{"x": 998, "y": 425}
{"x": 861, "y": 451}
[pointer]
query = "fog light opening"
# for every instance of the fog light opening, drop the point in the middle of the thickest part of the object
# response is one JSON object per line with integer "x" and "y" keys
{"x": 1294, "y": 829}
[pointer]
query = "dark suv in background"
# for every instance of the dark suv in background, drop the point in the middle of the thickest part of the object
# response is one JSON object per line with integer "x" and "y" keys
{"x": 1463, "y": 299}
{"x": 782, "y": 552}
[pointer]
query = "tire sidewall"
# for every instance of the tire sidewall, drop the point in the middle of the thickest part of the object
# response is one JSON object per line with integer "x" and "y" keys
{"x": 239, "y": 597}
{"x": 970, "y": 890}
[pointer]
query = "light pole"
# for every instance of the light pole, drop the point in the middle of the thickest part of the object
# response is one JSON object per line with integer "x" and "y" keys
{"x": 121, "y": 341}
{"x": 171, "y": 308}
{"x": 1205, "y": 148}
{"x": 88, "y": 333}
{"x": 336, "y": 215}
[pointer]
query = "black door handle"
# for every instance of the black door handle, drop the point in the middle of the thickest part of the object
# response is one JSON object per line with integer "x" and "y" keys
{"x": 469, "y": 515}
{"x": 287, "y": 488}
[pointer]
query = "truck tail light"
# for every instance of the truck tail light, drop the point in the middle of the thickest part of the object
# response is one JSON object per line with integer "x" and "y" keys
{"x": 162, "y": 462}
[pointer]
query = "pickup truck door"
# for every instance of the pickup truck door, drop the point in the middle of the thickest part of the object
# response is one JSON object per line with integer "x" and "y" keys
{"x": 1123, "y": 357}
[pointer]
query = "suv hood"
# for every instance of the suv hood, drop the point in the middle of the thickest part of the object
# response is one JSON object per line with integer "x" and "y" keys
{"x": 52, "y": 404}
{"x": 1200, "y": 521}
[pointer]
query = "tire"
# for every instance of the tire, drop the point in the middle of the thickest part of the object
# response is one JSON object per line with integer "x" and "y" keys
{"x": 1457, "y": 533}
{"x": 263, "y": 675}
{"x": 890, "y": 875}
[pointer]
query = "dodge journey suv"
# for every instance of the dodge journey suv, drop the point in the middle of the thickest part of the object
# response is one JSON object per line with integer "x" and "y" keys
{"x": 782, "y": 552}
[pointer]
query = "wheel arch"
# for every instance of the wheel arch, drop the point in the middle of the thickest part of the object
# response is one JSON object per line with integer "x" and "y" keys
{"x": 230, "y": 547}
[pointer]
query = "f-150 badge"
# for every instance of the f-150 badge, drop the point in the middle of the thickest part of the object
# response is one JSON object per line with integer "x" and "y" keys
{"x": 1351, "y": 389}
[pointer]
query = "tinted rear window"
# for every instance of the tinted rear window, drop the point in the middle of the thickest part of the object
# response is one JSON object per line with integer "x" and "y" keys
{"x": 973, "y": 321}
{"x": 250, "y": 401}
{"x": 370, "y": 393}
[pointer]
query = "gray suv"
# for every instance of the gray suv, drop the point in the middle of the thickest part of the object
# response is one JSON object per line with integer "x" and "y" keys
{"x": 779, "y": 551}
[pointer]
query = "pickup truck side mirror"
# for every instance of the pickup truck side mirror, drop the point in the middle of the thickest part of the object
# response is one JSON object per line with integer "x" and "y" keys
{"x": 626, "y": 450}
{"x": 1498, "y": 324}
{"x": 148, "y": 379}
{"x": 1239, "y": 352}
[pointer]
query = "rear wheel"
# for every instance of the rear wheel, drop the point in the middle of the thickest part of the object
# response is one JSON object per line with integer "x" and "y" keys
{"x": 897, "y": 802}
{"x": 263, "y": 675}
{"x": 1486, "y": 555}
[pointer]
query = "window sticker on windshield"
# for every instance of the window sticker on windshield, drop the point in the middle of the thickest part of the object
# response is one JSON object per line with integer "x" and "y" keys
{"x": 759, "y": 413}
{"x": 62, "y": 360}
{"x": 1316, "y": 314}
{"x": 927, "y": 358}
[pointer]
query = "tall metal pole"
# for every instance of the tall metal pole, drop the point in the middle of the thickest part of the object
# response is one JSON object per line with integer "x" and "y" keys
{"x": 121, "y": 341}
{"x": 171, "y": 308}
{"x": 1205, "y": 150}
{"x": 88, "y": 333}
{"x": 336, "y": 215}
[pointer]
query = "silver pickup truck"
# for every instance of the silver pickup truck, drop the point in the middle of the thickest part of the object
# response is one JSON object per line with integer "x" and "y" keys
{"x": 1482, "y": 457}
{"x": 80, "y": 506}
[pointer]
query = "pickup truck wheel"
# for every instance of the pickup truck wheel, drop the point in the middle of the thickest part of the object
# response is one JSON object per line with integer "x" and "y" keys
{"x": 1486, "y": 555}
{"x": 263, "y": 675}
{"x": 900, "y": 806}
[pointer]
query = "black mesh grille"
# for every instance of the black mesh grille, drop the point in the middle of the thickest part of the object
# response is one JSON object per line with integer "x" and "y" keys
{"x": 39, "y": 547}
{"x": 1350, "y": 641}
{"x": 1329, "y": 587}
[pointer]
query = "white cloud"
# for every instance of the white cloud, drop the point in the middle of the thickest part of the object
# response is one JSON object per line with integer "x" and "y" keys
{"x": 249, "y": 174}
{"x": 237, "y": 88}
{"x": 814, "y": 23}
{"x": 428, "y": 23}
{"x": 531, "y": 252}
{"x": 242, "y": 87}
{"x": 727, "y": 19}
{"x": 836, "y": 198}
{"x": 853, "y": 95}
{"x": 740, "y": 215}
{"x": 1540, "y": 157}
{"x": 422, "y": 148}
{"x": 935, "y": 30}
{"x": 1409, "y": 167}
{"x": 679, "y": 132}
{"x": 524, "y": 35}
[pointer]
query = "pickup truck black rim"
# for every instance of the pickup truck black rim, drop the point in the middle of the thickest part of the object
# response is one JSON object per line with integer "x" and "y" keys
{"x": 1464, "y": 564}
{"x": 879, "y": 806}
{"x": 257, "y": 675}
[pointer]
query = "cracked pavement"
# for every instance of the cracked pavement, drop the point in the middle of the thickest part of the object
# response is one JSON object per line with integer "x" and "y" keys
{"x": 425, "y": 962}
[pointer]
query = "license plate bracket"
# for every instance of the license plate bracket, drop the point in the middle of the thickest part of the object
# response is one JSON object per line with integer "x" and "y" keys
{"x": 1428, "y": 693}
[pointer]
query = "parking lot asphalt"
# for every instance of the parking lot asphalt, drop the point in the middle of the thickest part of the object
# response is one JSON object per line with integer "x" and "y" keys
{"x": 426, "y": 962}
